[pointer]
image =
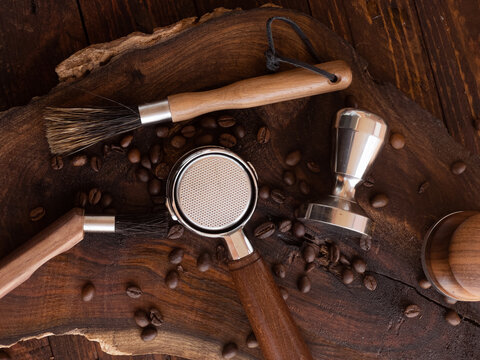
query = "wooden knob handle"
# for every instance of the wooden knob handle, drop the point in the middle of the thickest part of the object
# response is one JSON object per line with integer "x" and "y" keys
{"x": 59, "y": 237}
{"x": 276, "y": 332}
{"x": 262, "y": 90}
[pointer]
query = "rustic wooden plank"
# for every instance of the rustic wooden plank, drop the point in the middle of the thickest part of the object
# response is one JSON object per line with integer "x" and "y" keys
{"x": 451, "y": 32}
{"x": 204, "y": 6}
{"x": 332, "y": 13}
{"x": 35, "y": 35}
{"x": 34, "y": 349}
{"x": 72, "y": 347}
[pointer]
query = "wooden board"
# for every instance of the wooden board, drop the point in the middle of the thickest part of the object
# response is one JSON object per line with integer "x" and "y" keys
{"x": 203, "y": 313}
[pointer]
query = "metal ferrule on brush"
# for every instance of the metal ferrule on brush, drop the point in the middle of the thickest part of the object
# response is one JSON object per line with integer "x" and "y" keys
{"x": 104, "y": 224}
{"x": 155, "y": 112}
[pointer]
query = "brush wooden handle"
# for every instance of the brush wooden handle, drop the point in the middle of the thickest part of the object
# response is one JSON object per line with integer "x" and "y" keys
{"x": 57, "y": 238}
{"x": 262, "y": 90}
{"x": 271, "y": 321}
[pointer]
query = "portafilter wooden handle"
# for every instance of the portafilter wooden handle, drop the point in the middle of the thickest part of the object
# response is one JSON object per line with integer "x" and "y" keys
{"x": 262, "y": 90}
{"x": 271, "y": 321}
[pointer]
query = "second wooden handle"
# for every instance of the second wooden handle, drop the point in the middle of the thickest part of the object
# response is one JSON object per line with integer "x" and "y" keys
{"x": 262, "y": 90}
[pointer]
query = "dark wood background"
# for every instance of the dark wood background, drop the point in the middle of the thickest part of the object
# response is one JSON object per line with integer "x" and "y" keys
{"x": 429, "y": 50}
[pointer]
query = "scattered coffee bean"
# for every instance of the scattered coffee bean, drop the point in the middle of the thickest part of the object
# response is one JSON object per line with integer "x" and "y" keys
{"x": 412, "y": 311}
{"x": 154, "y": 187}
{"x": 171, "y": 280}
{"x": 452, "y": 318}
{"x": 145, "y": 161}
{"x": 424, "y": 284}
{"x": 423, "y": 187}
{"x": 134, "y": 155}
{"x": 370, "y": 182}
{"x": 304, "y": 284}
{"x": 351, "y": 101}
{"x": 155, "y": 317}
{"x": 304, "y": 187}
{"x": 162, "y": 170}
{"x": 141, "y": 318}
{"x": 293, "y": 158}
{"x": 178, "y": 141}
{"x": 347, "y": 276}
{"x": 365, "y": 243}
{"x": 126, "y": 141}
{"x": 142, "y": 174}
{"x": 379, "y": 201}
{"x": 56, "y": 162}
{"x": 264, "y": 192}
{"x": 277, "y": 196}
{"x": 205, "y": 139}
{"x": 264, "y": 230}
{"x": 37, "y": 213}
{"x": 188, "y": 131}
{"x": 285, "y": 226}
{"x": 359, "y": 265}
{"x": 221, "y": 253}
{"x": 161, "y": 131}
{"x": 176, "y": 256}
{"x": 458, "y": 167}
{"x": 175, "y": 232}
{"x": 204, "y": 261}
{"x": 333, "y": 254}
{"x": 343, "y": 260}
{"x": 449, "y": 300}
{"x": 308, "y": 254}
{"x": 370, "y": 282}
{"x": 179, "y": 268}
{"x": 94, "y": 196}
{"x": 79, "y": 160}
{"x": 155, "y": 153}
{"x": 80, "y": 199}
{"x": 251, "y": 341}
{"x": 397, "y": 141}
{"x": 263, "y": 135}
{"x": 227, "y": 140}
{"x": 289, "y": 177}
{"x": 149, "y": 333}
{"x": 229, "y": 350}
{"x": 208, "y": 123}
{"x": 239, "y": 131}
{"x": 133, "y": 291}
{"x": 283, "y": 292}
{"x": 4, "y": 355}
{"x": 313, "y": 167}
{"x": 96, "y": 163}
{"x": 298, "y": 229}
{"x": 226, "y": 121}
{"x": 310, "y": 267}
{"x": 117, "y": 149}
{"x": 106, "y": 200}
{"x": 279, "y": 270}
{"x": 88, "y": 291}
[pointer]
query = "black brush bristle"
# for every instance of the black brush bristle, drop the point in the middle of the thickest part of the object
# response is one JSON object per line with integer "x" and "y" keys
{"x": 72, "y": 129}
{"x": 155, "y": 224}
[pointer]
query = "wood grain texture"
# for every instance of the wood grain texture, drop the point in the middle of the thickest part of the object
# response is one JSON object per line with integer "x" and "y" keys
{"x": 204, "y": 6}
{"x": 338, "y": 321}
{"x": 332, "y": 13}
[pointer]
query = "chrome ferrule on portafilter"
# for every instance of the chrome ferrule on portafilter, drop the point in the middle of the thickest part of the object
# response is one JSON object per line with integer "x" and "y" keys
{"x": 359, "y": 137}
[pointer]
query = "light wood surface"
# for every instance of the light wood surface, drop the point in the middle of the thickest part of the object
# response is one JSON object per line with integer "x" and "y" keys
{"x": 262, "y": 90}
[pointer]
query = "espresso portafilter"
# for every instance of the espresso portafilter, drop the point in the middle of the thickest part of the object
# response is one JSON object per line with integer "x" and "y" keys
{"x": 358, "y": 138}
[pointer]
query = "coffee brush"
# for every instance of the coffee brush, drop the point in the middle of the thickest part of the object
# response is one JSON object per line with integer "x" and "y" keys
{"x": 73, "y": 129}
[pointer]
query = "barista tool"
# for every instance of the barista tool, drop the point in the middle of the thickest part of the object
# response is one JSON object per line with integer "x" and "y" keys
{"x": 359, "y": 137}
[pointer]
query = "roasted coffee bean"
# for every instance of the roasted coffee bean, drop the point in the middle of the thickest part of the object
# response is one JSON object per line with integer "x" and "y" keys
{"x": 154, "y": 187}
{"x": 158, "y": 200}
{"x": 283, "y": 292}
{"x": 188, "y": 131}
{"x": 227, "y": 140}
{"x": 94, "y": 196}
{"x": 134, "y": 155}
{"x": 412, "y": 311}
{"x": 304, "y": 187}
{"x": 229, "y": 350}
{"x": 450, "y": 300}
{"x": 126, "y": 141}
{"x": 96, "y": 163}
{"x": 179, "y": 268}
{"x": 117, "y": 149}
{"x": 161, "y": 131}
{"x": 365, "y": 243}
{"x": 304, "y": 284}
{"x": 379, "y": 201}
{"x": 178, "y": 141}
{"x": 37, "y": 213}
{"x": 204, "y": 261}
{"x": 221, "y": 253}
{"x": 251, "y": 341}
{"x": 310, "y": 267}
{"x": 264, "y": 192}
{"x": 277, "y": 196}
{"x": 171, "y": 280}
{"x": 369, "y": 183}
{"x": 148, "y": 333}
{"x": 343, "y": 260}
{"x": 458, "y": 167}
{"x": 313, "y": 167}
{"x": 347, "y": 276}
{"x": 285, "y": 226}
{"x": 141, "y": 318}
{"x": 359, "y": 265}
{"x": 205, "y": 139}
{"x": 175, "y": 232}
{"x": 142, "y": 174}
{"x": 79, "y": 160}
{"x": 298, "y": 229}
{"x": 155, "y": 317}
{"x": 88, "y": 292}
{"x": 264, "y": 230}
{"x": 423, "y": 187}
{"x": 106, "y": 200}
{"x": 263, "y": 135}
{"x": 133, "y": 291}
{"x": 289, "y": 177}
{"x": 80, "y": 199}
{"x": 424, "y": 283}
{"x": 56, "y": 162}
{"x": 370, "y": 282}
{"x": 176, "y": 256}
{"x": 155, "y": 153}
{"x": 351, "y": 101}
{"x": 239, "y": 131}
{"x": 308, "y": 253}
{"x": 333, "y": 254}
{"x": 293, "y": 158}
{"x": 279, "y": 270}
{"x": 226, "y": 121}
{"x": 208, "y": 123}
{"x": 397, "y": 141}
{"x": 162, "y": 170}
{"x": 452, "y": 318}
{"x": 145, "y": 161}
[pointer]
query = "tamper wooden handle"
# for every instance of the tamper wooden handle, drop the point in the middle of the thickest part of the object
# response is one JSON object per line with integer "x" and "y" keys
{"x": 272, "y": 323}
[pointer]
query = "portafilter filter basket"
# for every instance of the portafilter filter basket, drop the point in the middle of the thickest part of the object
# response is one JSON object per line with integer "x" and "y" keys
{"x": 213, "y": 193}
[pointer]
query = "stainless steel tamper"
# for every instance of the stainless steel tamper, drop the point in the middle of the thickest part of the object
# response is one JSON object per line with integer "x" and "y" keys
{"x": 358, "y": 136}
